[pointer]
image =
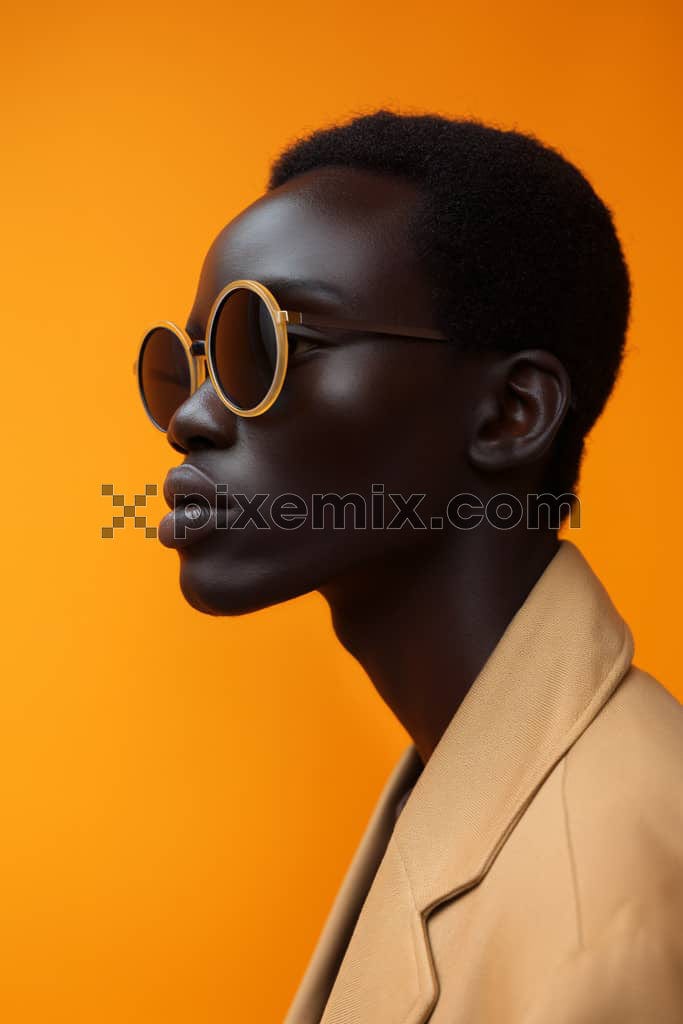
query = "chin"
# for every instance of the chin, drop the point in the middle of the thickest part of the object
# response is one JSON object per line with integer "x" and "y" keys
{"x": 234, "y": 589}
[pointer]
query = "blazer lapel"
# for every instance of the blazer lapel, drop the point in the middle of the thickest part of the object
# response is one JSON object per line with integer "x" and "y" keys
{"x": 313, "y": 992}
{"x": 561, "y": 657}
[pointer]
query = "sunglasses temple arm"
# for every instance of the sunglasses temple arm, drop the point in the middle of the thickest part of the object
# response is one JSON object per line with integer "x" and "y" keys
{"x": 395, "y": 330}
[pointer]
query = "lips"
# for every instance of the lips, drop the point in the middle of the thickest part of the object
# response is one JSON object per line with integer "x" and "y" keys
{"x": 184, "y": 481}
{"x": 179, "y": 529}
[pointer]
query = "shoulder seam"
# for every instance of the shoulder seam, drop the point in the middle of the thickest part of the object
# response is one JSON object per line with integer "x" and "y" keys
{"x": 572, "y": 855}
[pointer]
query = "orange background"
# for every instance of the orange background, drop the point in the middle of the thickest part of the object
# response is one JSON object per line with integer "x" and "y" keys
{"x": 181, "y": 795}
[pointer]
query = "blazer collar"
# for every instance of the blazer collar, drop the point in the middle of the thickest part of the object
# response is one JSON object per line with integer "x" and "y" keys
{"x": 561, "y": 657}
{"x": 559, "y": 660}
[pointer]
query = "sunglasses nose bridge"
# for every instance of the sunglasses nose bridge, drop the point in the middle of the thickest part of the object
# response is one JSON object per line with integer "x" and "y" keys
{"x": 198, "y": 348}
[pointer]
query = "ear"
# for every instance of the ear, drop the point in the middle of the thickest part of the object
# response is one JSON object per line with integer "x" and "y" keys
{"x": 524, "y": 400}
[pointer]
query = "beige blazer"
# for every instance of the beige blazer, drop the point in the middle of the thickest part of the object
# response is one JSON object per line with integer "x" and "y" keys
{"x": 534, "y": 874}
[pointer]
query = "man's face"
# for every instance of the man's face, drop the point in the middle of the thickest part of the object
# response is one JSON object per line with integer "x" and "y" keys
{"x": 355, "y": 411}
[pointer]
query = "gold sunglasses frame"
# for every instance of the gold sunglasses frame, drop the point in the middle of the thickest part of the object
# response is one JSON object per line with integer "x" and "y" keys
{"x": 200, "y": 358}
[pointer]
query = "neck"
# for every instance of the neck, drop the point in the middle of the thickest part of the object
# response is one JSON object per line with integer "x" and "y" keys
{"x": 422, "y": 625}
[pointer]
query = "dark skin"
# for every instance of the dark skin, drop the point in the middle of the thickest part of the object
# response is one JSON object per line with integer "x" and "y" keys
{"x": 421, "y": 610}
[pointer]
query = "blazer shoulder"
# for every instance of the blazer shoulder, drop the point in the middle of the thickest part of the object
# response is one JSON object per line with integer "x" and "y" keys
{"x": 621, "y": 790}
{"x": 642, "y": 725}
{"x": 629, "y": 761}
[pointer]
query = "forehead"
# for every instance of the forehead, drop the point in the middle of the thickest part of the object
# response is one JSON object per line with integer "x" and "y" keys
{"x": 333, "y": 238}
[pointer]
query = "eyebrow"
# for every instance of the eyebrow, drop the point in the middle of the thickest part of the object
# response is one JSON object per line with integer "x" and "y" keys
{"x": 307, "y": 286}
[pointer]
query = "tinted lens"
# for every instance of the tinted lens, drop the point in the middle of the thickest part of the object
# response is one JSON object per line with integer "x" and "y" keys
{"x": 243, "y": 347}
{"x": 164, "y": 375}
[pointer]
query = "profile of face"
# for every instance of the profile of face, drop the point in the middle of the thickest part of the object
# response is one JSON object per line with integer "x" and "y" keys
{"x": 356, "y": 410}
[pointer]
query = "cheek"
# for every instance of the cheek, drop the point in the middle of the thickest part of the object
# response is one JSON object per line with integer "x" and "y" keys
{"x": 387, "y": 413}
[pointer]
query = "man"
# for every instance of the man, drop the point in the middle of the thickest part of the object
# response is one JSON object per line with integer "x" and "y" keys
{"x": 456, "y": 305}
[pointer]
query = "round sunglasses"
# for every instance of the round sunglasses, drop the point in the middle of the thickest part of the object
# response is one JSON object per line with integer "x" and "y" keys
{"x": 246, "y": 352}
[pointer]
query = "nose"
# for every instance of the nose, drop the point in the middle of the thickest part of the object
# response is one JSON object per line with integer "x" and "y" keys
{"x": 202, "y": 421}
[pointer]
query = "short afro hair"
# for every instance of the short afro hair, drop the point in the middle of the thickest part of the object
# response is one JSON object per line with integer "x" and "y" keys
{"x": 520, "y": 251}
